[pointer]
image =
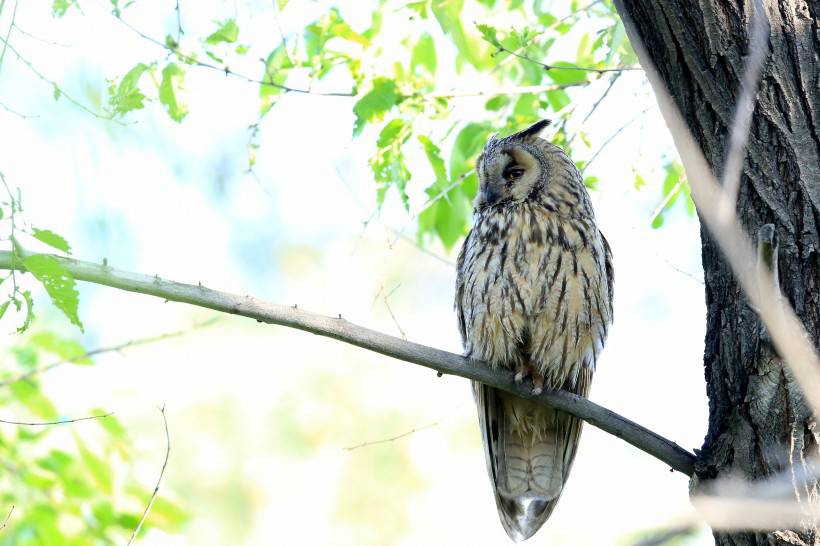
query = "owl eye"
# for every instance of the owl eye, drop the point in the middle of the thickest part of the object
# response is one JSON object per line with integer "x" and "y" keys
{"x": 513, "y": 172}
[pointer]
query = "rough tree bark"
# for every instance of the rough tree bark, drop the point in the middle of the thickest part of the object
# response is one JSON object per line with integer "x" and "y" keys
{"x": 759, "y": 424}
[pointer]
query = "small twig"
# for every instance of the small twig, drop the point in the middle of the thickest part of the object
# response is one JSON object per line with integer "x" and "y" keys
{"x": 227, "y": 71}
{"x": 389, "y": 310}
{"x": 546, "y": 66}
{"x": 517, "y": 90}
{"x": 109, "y": 349}
{"x": 603, "y": 96}
{"x": 391, "y": 439}
{"x": 60, "y": 422}
{"x": 281, "y": 32}
{"x": 8, "y": 516}
{"x": 159, "y": 480}
{"x": 576, "y": 12}
{"x": 8, "y": 33}
{"x": 16, "y": 113}
{"x": 179, "y": 23}
{"x": 56, "y": 87}
{"x": 612, "y": 137}
{"x": 33, "y": 37}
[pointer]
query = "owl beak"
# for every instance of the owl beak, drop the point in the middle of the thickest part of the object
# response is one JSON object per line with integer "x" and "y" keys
{"x": 491, "y": 195}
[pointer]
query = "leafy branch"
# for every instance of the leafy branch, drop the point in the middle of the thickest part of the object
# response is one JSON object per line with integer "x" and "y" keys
{"x": 174, "y": 48}
{"x": 340, "y": 329}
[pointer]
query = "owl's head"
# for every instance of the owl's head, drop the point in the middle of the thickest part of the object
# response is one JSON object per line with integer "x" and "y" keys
{"x": 512, "y": 169}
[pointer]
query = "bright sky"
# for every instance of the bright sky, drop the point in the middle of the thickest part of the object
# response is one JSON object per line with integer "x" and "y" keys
{"x": 158, "y": 197}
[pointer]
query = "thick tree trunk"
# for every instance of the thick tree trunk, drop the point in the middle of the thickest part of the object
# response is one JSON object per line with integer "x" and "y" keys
{"x": 759, "y": 424}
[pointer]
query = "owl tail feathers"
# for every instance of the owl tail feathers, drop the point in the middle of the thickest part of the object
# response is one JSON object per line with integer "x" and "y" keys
{"x": 529, "y": 449}
{"x": 521, "y": 517}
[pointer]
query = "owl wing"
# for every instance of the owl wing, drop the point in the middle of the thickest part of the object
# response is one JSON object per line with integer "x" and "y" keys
{"x": 459, "y": 305}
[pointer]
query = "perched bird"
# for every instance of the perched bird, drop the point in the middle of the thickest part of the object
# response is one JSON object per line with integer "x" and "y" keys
{"x": 533, "y": 294}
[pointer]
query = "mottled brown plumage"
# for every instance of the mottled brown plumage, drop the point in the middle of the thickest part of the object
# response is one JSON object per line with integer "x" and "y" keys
{"x": 533, "y": 294}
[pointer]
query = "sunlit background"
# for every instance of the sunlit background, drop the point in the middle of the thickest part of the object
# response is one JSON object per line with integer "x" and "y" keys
{"x": 278, "y": 436}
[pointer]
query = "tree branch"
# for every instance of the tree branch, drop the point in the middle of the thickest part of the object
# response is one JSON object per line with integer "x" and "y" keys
{"x": 337, "y": 328}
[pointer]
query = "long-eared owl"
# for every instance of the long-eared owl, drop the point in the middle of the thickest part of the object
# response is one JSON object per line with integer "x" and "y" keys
{"x": 533, "y": 294}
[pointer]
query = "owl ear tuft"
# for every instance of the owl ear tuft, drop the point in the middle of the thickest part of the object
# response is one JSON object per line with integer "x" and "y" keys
{"x": 533, "y": 130}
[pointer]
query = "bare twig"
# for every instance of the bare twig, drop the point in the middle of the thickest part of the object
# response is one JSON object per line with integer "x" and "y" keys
{"x": 16, "y": 113}
{"x": 8, "y": 516}
{"x": 342, "y": 330}
{"x": 517, "y": 90}
{"x": 609, "y": 87}
{"x": 179, "y": 22}
{"x": 8, "y": 33}
{"x": 612, "y": 137}
{"x": 546, "y": 66}
{"x": 57, "y": 89}
{"x": 109, "y": 349}
{"x": 59, "y": 422}
{"x": 43, "y": 40}
{"x": 392, "y": 438}
{"x": 392, "y": 316}
{"x": 159, "y": 480}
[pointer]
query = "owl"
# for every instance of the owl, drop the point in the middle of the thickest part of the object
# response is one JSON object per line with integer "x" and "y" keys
{"x": 533, "y": 294}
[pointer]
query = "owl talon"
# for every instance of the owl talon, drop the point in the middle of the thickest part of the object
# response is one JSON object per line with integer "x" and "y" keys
{"x": 526, "y": 369}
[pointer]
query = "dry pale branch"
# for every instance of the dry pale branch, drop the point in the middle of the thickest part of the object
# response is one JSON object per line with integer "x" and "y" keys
{"x": 786, "y": 331}
{"x": 337, "y": 328}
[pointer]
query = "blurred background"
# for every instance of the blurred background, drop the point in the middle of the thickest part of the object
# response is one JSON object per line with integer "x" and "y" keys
{"x": 278, "y": 436}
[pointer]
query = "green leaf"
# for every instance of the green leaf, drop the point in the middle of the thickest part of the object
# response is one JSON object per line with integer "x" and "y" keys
{"x": 420, "y": 7}
{"x": 277, "y": 68}
{"x": 60, "y": 7}
{"x": 558, "y": 99}
{"x": 127, "y": 96}
{"x": 433, "y": 154}
{"x": 171, "y": 90}
{"x": 388, "y": 165}
{"x": 490, "y": 34}
{"x": 110, "y": 424}
{"x": 497, "y": 103}
{"x": 214, "y": 57}
{"x": 640, "y": 182}
{"x": 52, "y": 239}
{"x": 58, "y": 282}
{"x": 568, "y": 76}
{"x": 66, "y": 349}
{"x": 281, "y": 4}
{"x": 468, "y": 144}
{"x": 424, "y": 55}
{"x": 100, "y": 471}
{"x": 4, "y": 308}
{"x": 375, "y": 103}
{"x": 27, "y": 394}
{"x": 471, "y": 49}
{"x": 228, "y": 32}
{"x": 591, "y": 182}
{"x": 29, "y": 311}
